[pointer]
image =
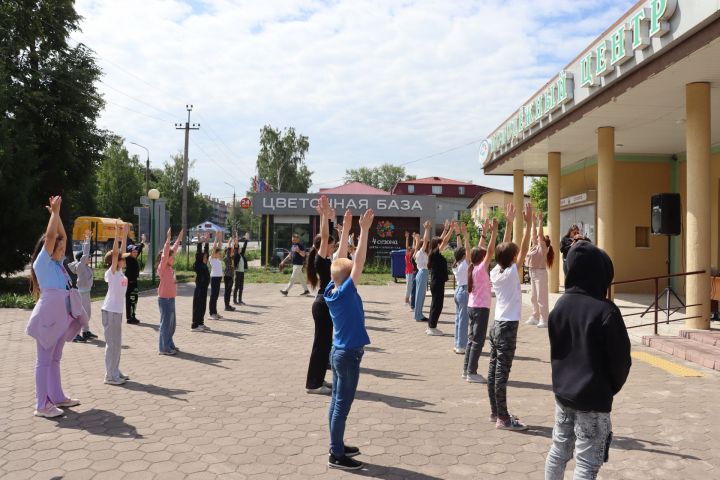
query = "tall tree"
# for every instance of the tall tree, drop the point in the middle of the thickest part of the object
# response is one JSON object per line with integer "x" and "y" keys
{"x": 120, "y": 182}
{"x": 281, "y": 160}
{"x": 383, "y": 177}
{"x": 538, "y": 193}
{"x": 48, "y": 110}
{"x": 169, "y": 183}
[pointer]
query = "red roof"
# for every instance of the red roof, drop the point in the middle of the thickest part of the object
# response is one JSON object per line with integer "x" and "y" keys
{"x": 435, "y": 181}
{"x": 354, "y": 188}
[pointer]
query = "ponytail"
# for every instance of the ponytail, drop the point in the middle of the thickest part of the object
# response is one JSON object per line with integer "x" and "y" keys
{"x": 550, "y": 252}
{"x": 310, "y": 269}
{"x": 477, "y": 255}
{"x": 470, "y": 278}
{"x": 34, "y": 284}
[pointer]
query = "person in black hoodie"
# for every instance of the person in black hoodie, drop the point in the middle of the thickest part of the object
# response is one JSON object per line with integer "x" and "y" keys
{"x": 241, "y": 265}
{"x": 132, "y": 272}
{"x": 202, "y": 281}
{"x": 590, "y": 359}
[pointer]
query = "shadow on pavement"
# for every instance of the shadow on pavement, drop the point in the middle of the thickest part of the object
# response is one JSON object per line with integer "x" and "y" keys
{"x": 530, "y": 385}
{"x": 236, "y": 320}
{"x": 375, "y": 349}
{"x": 222, "y": 333}
{"x": 381, "y": 471}
{"x": 618, "y": 442}
{"x": 149, "y": 325}
{"x": 381, "y": 329}
{"x": 375, "y": 317}
{"x": 396, "y": 402}
{"x": 390, "y": 374}
{"x": 156, "y": 390}
{"x": 99, "y": 422}
{"x": 212, "y": 361}
{"x": 528, "y": 359}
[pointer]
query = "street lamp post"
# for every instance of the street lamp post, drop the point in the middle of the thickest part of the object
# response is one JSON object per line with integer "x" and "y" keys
{"x": 153, "y": 195}
{"x": 233, "y": 205}
{"x": 147, "y": 166}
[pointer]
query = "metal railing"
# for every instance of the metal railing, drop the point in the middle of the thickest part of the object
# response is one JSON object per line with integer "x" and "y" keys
{"x": 656, "y": 303}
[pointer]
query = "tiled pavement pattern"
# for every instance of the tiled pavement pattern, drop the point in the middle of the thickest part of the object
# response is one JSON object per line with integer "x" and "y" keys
{"x": 232, "y": 404}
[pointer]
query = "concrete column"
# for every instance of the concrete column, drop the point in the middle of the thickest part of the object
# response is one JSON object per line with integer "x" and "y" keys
{"x": 697, "y": 223}
{"x": 554, "y": 217}
{"x": 518, "y": 198}
{"x": 606, "y": 180}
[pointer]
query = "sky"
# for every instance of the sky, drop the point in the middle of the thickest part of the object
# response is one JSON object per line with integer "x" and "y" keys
{"x": 414, "y": 83}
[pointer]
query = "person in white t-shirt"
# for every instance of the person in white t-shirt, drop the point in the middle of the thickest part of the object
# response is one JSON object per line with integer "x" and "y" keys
{"x": 505, "y": 281}
{"x": 216, "y": 275}
{"x": 112, "y": 308}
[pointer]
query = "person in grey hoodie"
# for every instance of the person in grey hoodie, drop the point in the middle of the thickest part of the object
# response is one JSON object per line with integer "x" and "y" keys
{"x": 81, "y": 267}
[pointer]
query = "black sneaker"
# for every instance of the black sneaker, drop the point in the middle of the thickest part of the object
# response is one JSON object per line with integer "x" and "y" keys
{"x": 343, "y": 463}
{"x": 306, "y": 292}
{"x": 351, "y": 451}
{"x": 88, "y": 335}
{"x": 229, "y": 308}
{"x": 133, "y": 321}
{"x": 79, "y": 339}
{"x": 284, "y": 292}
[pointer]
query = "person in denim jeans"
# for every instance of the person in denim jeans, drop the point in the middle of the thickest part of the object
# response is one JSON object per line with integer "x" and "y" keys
{"x": 421, "y": 277}
{"x": 590, "y": 360}
{"x": 460, "y": 270}
{"x": 349, "y": 340}
{"x": 409, "y": 269}
{"x": 167, "y": 291}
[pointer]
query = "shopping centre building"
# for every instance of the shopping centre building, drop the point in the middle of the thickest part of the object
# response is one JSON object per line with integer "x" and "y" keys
{"x": 627, "y": 119}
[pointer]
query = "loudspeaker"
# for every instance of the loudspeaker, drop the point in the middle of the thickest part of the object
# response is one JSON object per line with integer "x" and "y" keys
{"x": 665, "y": 214}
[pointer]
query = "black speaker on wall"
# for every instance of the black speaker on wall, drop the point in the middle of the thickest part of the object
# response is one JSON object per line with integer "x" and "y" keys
{"x": 665, "y": 214}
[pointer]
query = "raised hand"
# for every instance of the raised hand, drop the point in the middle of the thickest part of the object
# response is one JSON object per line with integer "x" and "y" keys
{"x": 407, "y": 235}
{"x": 510, "y": 212}
{"x": 87, "y": 235}
{"x": 486, "y": 226}
{"x": 495, "y": 225}
{"x": 182, "y": 233}
{"x": 528, "y": 213}
{"x": 168, "y": 235}
{"x": 347, "y": 218}
{"x": 456, "y": 228}
{"x": 427, "y": 224}
{"x": 55, "y": 203}
{"x": 366, "y": 219}
{"x": 463, "y": 228}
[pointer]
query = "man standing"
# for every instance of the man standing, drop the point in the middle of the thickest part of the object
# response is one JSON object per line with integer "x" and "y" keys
{"x": 132, "y": 272}
{"x": 297, "y": 254}
{"x": 590, "y": 360}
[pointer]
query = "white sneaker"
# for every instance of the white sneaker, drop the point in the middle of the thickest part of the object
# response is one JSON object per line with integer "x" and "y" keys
{"x": 542, "y": 325}
{"x": 124, "y": 377}
{"x": 463, "y": 376}
{"x": 50, "y": 412}
{"x": 205, "y": 328}
{"x": 434, "y": 332}
{"x": 475, "y": 378}
{"x": 532, "y": 321}
{"x": 114, "y": 381}
{"x": 322, "y": 390}
{"x": 197, "y": 329}
{"x": 70, "y": 402}
{"x": 459, "y": 351}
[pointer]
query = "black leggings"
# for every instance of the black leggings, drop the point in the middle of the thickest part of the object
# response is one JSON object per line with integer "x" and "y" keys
{"x": 131, "y": 299}
{"x": 239, "y": 285}
{"x": 199, "y": 305}
{"x": 437, "y": 290}
{"x": 214, "y": 294}
{"x": 228, "y": 290}
{"x": 322, "y": 343}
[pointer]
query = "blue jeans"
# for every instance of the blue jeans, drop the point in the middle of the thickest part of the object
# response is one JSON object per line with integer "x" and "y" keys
{"x": 461, "y": 316}
{"x": 587, "y": 433}
{"x": 167, "y": 323}
{"x": 409, "y": 280}
{"x": 413, "y": 291}
{"x": 346, "y": 374}
{"x": 421, "y": 279}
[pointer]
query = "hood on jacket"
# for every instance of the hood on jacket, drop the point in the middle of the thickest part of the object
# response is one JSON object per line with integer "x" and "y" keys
{"x": 589, "y": 269}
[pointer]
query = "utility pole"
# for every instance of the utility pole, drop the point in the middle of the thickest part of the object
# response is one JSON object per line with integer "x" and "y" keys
{"x": 234, "y": 218}
{"x": 187, "y": 127}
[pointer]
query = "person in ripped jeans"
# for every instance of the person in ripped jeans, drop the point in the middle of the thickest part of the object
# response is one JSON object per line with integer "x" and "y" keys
{"x": 590, "y": 360}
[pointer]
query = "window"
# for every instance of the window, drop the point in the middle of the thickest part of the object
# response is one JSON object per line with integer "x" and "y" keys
{"x": 461, "y": 190}
{"x": 411, "y": 188}
{"x": 494, "y": 208}
{"x": 437, "y": 189}
{"x": 642, "y": 237}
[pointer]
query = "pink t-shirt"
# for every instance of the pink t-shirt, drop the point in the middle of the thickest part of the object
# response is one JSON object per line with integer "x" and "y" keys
{"x": 167, "y": 287}
{"x": 480, "y": 297}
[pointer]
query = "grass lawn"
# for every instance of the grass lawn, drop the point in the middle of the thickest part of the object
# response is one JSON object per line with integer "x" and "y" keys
{"x": 14, "y": 292}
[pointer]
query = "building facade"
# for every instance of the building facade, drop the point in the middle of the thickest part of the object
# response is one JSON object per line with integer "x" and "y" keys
{"x": 489, "y": 201}
{"x": 630, "y": 118}
{"x": 220, "y": 210}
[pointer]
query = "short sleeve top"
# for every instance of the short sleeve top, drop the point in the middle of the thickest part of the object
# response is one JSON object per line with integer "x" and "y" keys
{"x": 322, "y": 267}
{"x": 50, "y": 273}
{"x": 348, "y": 315}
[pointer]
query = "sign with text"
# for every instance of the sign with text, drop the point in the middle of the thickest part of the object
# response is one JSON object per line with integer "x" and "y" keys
{"x": 383, "y": 205}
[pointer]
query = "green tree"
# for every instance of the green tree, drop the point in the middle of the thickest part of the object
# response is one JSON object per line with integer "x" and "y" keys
{"x": 384, "y": 177}
{"x": 472, "y": 227}
{"x": 281, "y": 160}
{"x": 169, "y": 183}
{"x": 50, "y": 143}
{"x": 500, "y": 215}
{"x": 538, "y": 193}
{"x": 120, "y": 182}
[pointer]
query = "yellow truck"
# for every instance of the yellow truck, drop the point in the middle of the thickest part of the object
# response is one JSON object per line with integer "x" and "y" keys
{"x": 102, "y": 230}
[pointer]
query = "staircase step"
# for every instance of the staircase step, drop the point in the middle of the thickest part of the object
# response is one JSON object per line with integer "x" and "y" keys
{"x": 686, "y": 349}
{"x": 709, "y": 337}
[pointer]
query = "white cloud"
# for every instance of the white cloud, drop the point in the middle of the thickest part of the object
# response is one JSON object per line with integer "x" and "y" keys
{"x": 368, "y": 81}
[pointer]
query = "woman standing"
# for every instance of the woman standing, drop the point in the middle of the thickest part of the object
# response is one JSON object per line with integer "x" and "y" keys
{"x": 52, "y": 322}
{"x": 460, "y": 270}
{"x": 202, "y": 281}
{"x": 439, "y": 269}
{"x": 167, "y": 291}
{"x": 539, "y": 258}
{"x": 409, "y": 269}
{"x": 112, "y": 308}
{"x": 421, "y": 277}
{"x": 216, "y": 275}
{"x": 318, "y": 276}
{"x": 566, "y": 243}
{"x": 241, "y": 265}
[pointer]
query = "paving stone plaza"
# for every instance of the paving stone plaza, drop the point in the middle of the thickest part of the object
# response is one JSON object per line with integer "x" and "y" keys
{"x": 232, "y": 404}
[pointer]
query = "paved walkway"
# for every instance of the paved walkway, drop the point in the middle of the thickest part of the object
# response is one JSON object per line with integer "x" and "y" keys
{"x": 232, "y": 405}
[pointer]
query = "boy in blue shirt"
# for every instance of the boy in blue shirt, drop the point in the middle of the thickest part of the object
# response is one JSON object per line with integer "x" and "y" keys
{"x": 349, "y": 340}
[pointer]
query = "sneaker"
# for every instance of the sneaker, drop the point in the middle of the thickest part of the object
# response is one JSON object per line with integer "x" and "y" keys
{"x": 475, "y": 378}
{"x": 459, "y": 350}
{"x": 88, "y": 335}
{"x": 229, "y": 308}
{"x": 284, "y": 292}
{"x": 169, "y": 352}
{"x": 328, "y": 384}
{"x": 114, "y": 381}
{"x": 133, "y": 321}
{"x": 542, "y": 325}
{"x": 235, "y": 302}
{"x": 241, "y": 302}
{"x": 532, "y": 321}
{"x": 79, "y": 339}
{"x": 197, "y": 329}
{"x": 463, "y": 376}
{"x": 306, "y": 292}
{"x": 434, "y": 332}
{"x": 423, "y": 319}
{"x": 49, "y": 412}
{"x": 511, "y": 423}
{"x": 124, "y": 377}
{"x": 493, "y": 418}
{"x": 204, "y": 329}
{"x": 70, "y": 402}
{"x": 343, "y": 463}
{"x": 322, "y": 390}
{"x": 351, "y": 451}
